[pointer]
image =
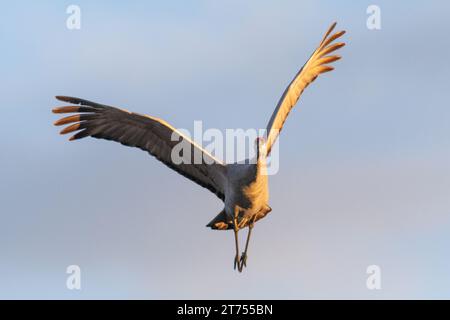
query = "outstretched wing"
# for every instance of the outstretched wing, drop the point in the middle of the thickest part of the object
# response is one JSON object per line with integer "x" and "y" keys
{"x": 150, "y": 134}
{"x": 316, "y": 65}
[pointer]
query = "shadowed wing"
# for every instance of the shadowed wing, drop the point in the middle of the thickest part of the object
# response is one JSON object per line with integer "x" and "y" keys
{"x": 316, "y": 65}
{"x": 147, "y": 133}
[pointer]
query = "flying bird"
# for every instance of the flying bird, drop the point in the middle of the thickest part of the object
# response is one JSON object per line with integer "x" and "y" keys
{"x": 243, "y": 187}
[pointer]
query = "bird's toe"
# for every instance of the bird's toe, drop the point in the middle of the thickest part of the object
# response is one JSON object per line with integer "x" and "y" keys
{"x": 243, "y": 259}
{"x": 237, "y": 261}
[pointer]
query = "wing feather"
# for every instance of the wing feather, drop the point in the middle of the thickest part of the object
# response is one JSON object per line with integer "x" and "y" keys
{"x": 147, "y": 133}
{"x": 316, "y": 65}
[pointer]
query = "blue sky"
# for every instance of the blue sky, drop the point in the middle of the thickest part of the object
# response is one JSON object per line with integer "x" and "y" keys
{"x": 364, "y": 175}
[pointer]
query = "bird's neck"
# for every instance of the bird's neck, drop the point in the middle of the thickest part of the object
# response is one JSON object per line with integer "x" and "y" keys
{"x": 261, "y": 166}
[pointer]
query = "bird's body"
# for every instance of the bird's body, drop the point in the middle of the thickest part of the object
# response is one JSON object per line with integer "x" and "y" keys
{"x": 243, "y": 187}
{"x": 247, "y": 194}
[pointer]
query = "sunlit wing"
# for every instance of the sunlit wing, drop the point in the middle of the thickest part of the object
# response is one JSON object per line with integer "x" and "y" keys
{"x": 316, "y": 65}
{"x": 150, "y": 134}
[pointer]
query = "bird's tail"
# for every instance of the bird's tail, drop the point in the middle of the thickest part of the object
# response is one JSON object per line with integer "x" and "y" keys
{"x": 220, "y": 222}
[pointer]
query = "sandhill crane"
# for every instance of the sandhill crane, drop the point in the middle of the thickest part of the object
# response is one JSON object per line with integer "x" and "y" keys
{"x": 243, "y": 187}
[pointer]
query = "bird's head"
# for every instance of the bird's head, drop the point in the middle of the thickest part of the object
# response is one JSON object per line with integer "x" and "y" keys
{"x": 261, "y": 149}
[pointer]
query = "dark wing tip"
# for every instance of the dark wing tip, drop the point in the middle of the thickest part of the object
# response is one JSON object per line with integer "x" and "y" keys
{"x": 60, "y": 110}
{"x": 331, "y": 28}
{"x": 67, "y": 109}
{"x": 339, "y": 34}
{"x": 80, "y": 101}
{"x": 75, "y": 100}
{"x": 329, "y": 31}
{"x": 66, "y": 99}
{"x": 71, "y": 128}
{"x": 327, "y": 69}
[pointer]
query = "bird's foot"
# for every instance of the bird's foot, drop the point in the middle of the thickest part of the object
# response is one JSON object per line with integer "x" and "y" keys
{"x": 237, "y": 262}
{"x": 243, "y": 260}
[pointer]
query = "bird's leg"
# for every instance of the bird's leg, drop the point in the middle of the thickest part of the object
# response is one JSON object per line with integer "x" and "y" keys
{"x": 237, "y": 259}
{"x": 244, "y": 254}
{"x": 236, "y": 241}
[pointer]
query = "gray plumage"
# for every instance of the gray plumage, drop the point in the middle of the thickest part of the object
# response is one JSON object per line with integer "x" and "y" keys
{"x": 243, "y": 187}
